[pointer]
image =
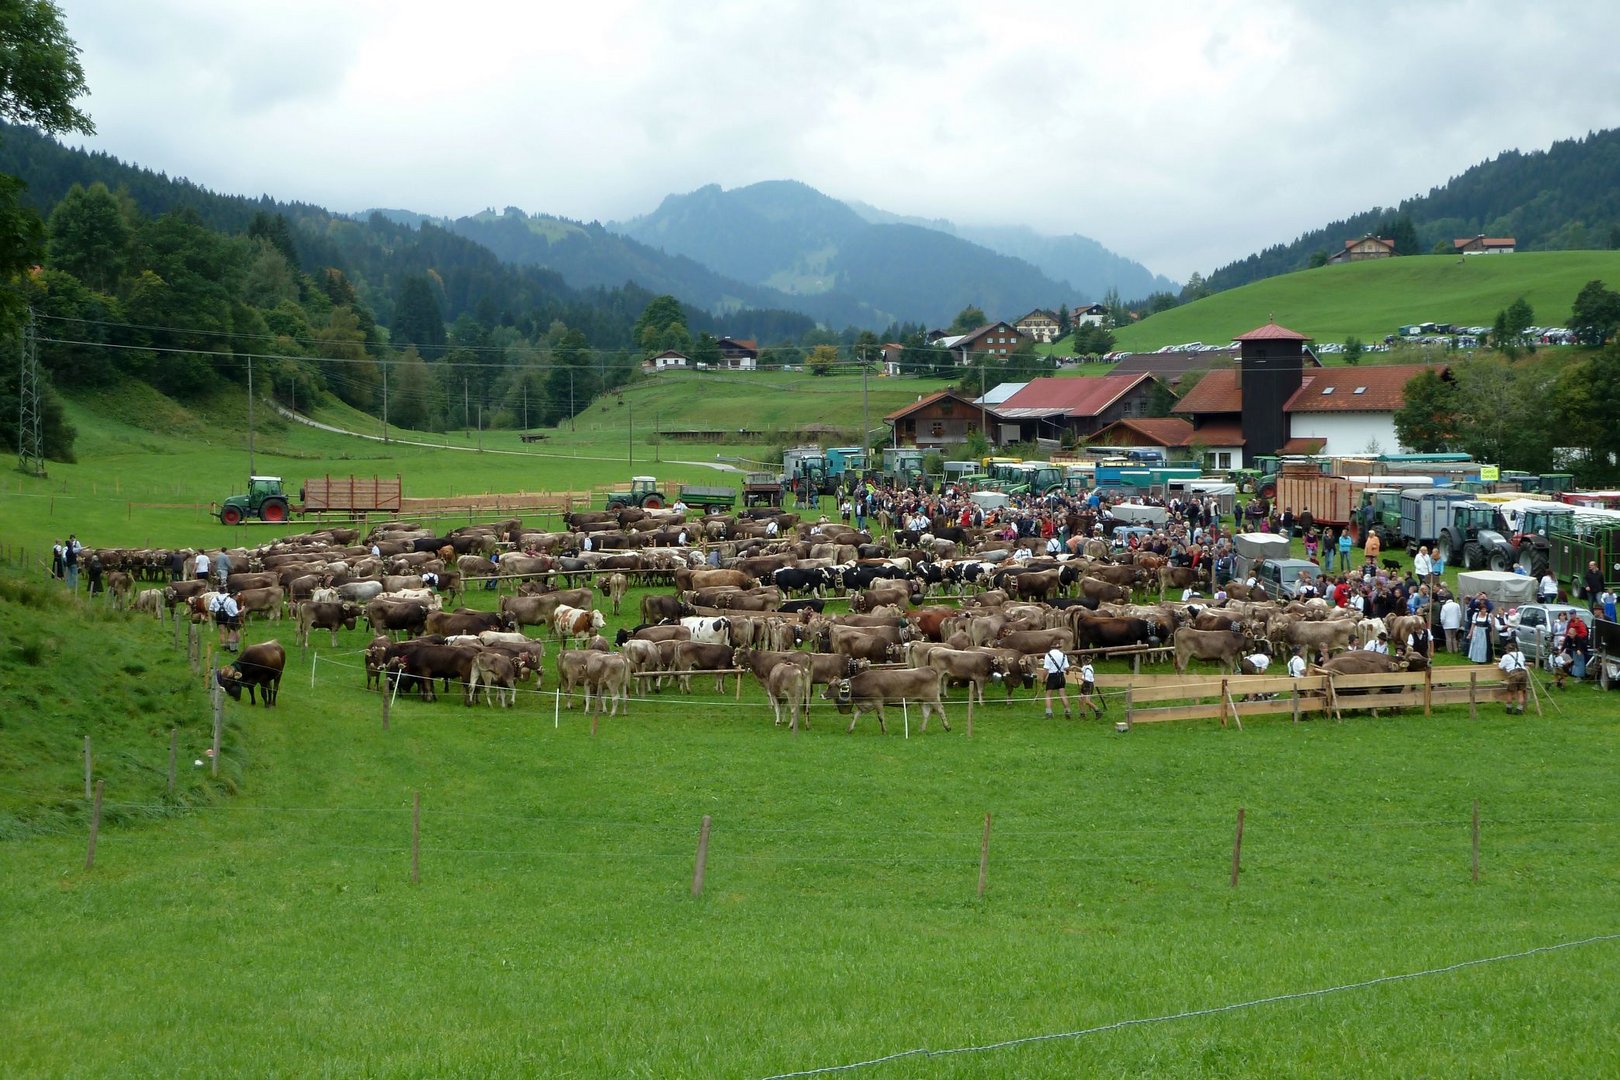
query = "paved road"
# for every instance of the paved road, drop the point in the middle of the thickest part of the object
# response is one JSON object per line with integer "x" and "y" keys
{"x": 308, "y": 422}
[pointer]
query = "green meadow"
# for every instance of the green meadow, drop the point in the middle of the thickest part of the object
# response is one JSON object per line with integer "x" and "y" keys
{"x": 264, "y": 920}
{"x": 1375, "y": 298}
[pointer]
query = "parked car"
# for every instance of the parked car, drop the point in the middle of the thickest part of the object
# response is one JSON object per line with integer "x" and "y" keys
{"x": 1535, "y": 627}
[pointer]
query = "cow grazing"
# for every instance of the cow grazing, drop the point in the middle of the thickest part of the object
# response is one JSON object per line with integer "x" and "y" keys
{"x": 390, "y": 616}
{"x": 709, "y": 630}
{"x": 871, "y": 689}
{"x": 693, "y": 656}
{"x": 614, "y": 586}
{"x": 312, "y": 616}
{"x": 257, "y": 666}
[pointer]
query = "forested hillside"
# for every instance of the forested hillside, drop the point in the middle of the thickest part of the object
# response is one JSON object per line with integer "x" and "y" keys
{"x": 158, "y": 279}
{"x": 1566, "y": 197}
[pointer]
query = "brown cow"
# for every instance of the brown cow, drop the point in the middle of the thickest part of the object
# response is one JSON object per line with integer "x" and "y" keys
{"x": 258, "y": 666}
{"x": 614, "y": 586}
{"x": 536, "y": 610}
{"x": 871, "y": 689}
{"x": 265, "y": 601}
{"x": 789, "y": 684}
{"x": 1226, "y": 647}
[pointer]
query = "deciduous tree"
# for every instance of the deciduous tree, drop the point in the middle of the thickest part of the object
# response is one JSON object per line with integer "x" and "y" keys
{"x": 1595, "y": 314}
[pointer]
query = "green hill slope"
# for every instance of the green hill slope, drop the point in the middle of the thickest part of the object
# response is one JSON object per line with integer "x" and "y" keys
{"x": 1371, "y": 299}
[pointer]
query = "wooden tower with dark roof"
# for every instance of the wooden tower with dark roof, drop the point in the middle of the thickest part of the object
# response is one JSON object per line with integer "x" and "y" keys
{"x": 1271, "y": 364}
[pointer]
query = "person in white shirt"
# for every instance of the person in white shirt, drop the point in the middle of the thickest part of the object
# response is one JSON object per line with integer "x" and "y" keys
{"x": 679, "y": 507}
{"x": 1088, "y": 688}
{"x": 1056, "y": 664}
{"x": 199, "y": 566}
{"x": 1422, "y": 565}
{"x": 1296, "y": 665}
{"x": 228, "y": 617}
{"x": 1451, "y": 620}
{"x": 1021, "y": 554}
{"x": 1547, "y": 588}
{"x": 1515, "y": 674}
{"x": 1381, "y": 645}
{"x": 1255, "y": 663}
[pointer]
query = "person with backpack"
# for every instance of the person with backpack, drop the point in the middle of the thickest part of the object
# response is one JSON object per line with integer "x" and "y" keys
{"x": 228, "y": 617}
{"x": 1056, "y": 664}
{"x": 93, "y": 573}
{"x": 1088, "y": 688}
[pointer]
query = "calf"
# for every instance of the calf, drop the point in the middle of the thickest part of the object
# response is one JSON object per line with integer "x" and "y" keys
{"x": 497, "y": 674}
{"x": 607, "y": 677}
{"x": 789, "y": 684}
{"x": 571, "y": 622}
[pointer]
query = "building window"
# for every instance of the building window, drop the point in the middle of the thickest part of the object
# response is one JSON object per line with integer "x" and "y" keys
{"x": 937, "y": 429}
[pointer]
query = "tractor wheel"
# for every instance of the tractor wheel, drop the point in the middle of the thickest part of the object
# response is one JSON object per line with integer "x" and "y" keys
{"x": 273, "y": 510}
{"x": 1269, "y": 492}
{"x": 1473, "y": 555}
{"x": 1499, "y": 561}
{"x": 231, "y": 515}
{"x": 1444, "y": 548}
{"x": 652, "y": 502}
{"x": 1540, "y": 566}
{"x": 1604, "y": 682}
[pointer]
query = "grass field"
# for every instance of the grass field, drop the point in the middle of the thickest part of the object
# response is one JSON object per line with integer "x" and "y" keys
{"x": 1372, "y": 299}
{"x": 264, "y": 922}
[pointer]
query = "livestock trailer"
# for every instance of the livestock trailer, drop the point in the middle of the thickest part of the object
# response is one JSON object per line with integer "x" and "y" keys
{"x": 1424, "y": 514}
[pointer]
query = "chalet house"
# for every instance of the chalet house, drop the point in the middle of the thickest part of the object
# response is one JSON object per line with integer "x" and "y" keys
{"x": 667, "y": 360}
{"x": 999, "y": 339}
{"x": 1350, "y": 409}
{"x": 940, "y": 420}
{"x": 1039, "y": 325}
{"x": 1088, "y": 315}
{"x": 1272, "y": 401}
{"x": 739, "y": 353}
{"x": 1368, "y": 247}
{"x": 893, "y": 352}
{"x": 1049, "y": 408}
{"x": 1485, "y": 245}
{"x": 1167, "y": 433}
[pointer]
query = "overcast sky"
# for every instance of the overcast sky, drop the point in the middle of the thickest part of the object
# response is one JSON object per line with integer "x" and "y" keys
{"x": 1180, "y": 134}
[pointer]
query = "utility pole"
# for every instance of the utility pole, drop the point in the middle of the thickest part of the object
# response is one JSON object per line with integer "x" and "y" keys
{"x": 632, "y": 443}
{"x": 658, "y": 420}
{"x": 466, "y": 413}
{"x": 525, "y": 403}
{"x": 30, "y": 421}
{"x": 866, "y": 419}
{"x": 251, "y": 469}
{"x": 385, "y": 400}
{"x": 571, "y": 397}
{"x": 480, "y": 426}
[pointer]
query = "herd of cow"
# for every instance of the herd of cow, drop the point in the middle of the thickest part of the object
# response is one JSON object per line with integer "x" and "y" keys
{"x": 755, "y": 601}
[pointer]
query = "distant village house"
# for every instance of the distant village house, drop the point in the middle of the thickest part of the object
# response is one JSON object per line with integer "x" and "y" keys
{"x": 1039, "y": 325}
{"x": 1368, "y": 247}
{"x": 1485, "y": 245}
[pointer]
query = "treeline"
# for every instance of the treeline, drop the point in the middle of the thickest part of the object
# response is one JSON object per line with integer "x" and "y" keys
{"x": 160, "y": 280}
{"x": 1566, "y": 197}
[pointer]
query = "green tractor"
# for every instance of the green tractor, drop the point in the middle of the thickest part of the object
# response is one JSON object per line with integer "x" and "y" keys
{"x": 265, "y": 500}
{"x": 644, "y": 492}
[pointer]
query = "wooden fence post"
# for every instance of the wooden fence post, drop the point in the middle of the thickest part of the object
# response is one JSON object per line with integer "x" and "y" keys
{"x": 1473, "y": 695}
{"x": 88, "y": 766}
{"x": 701, "y": 867}
{"x": 1129, "y": 718}
{"x": 388, "y": 696}
{"x": 174, "y": 747}
{"x": 95, "y": 828}
{"x": 219, "y": 726}
{"x": 984, "y": 857}
{"x": 970, "y": 711}
{"x": 1428, "y": 689}
{"x": 1237, "y": 848}
{"x": 1293, "y": 692}
{"x": 1476, "y": 841}
{"x": 416, "y": 837}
